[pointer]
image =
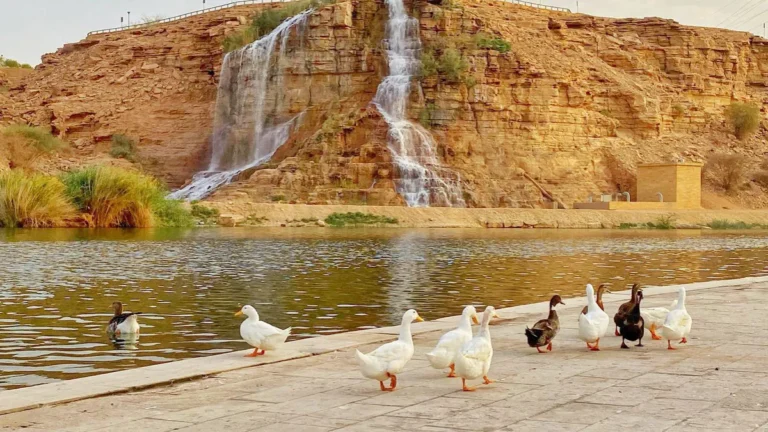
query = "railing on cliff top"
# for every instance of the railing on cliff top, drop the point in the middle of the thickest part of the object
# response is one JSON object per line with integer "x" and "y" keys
{"x": 250, "y": 2}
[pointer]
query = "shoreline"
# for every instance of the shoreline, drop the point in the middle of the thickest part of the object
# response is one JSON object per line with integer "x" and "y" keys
{"x": 191, "y": 369}
{"x": 298, "y": 215}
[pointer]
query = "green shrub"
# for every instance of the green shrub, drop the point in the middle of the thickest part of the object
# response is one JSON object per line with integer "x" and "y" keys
{"x": 663, "y": 223}
{"x": 40, "y": 138}
{"x": 205, "y": 215}
{"x": 428, "y": 64}
{"x": 744, "y": 118}
{"x": 627, "y": 225}
{"x": 32, "y": 201}
{"x": 26, "y": 66}
{"x": 114, "y": 197}
{"x": 357, "y": 218}
{"x": 263, "y": 23}
{"x": 726, "y": 170}
{"x": 171, "y": 213}
{"x": 678, "y": 110}
{"x": 123, "y": 147}
{"x": 427, "y": 115}
{"x": 452, "y": 65}
{"x": 277, "y": 198}
{"x": 4, "y": 62}
{"x": 494, "y": 43}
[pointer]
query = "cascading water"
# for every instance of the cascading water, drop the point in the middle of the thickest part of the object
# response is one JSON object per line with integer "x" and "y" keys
{"x": 423, "y": 181}
{"x": 246, "y": 130}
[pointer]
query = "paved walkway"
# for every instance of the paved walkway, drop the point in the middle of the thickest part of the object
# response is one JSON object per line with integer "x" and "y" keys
{"x": 719, "y": 381}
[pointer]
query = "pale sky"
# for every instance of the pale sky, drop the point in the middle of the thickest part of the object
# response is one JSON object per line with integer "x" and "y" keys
{"x": 31, "y": 28}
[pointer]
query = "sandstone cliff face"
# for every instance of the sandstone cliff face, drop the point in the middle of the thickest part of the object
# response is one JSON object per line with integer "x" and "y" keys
{"x": 576, "y": 103}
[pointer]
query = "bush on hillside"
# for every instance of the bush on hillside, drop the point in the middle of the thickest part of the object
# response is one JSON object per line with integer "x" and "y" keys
{"x": 123, "y": 147}
{"x": 428, "y": 64}
{"x": 32, "y": 201}
{"x": 452, "y": 65}
{"x": 265, "y": 22}
{"x": 726, "y": 171}
{"x": 120, "y": 198}
{"x": 494, "y": 43}
{"x": 40, "y": 138}
{"x": 744, "y": 118}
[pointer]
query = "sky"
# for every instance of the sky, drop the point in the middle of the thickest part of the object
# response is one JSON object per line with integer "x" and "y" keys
{"x": 31, "y": 28}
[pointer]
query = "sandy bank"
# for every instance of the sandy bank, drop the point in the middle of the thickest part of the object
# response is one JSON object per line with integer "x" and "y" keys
{"x": 278, "y": 214}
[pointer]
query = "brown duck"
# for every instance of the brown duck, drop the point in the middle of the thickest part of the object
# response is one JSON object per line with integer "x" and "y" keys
{"x": 603, "y": 288}
{"x": 545, "y": 330}
{"x": 632, "y": 326}
{"x": 625, "y": 309}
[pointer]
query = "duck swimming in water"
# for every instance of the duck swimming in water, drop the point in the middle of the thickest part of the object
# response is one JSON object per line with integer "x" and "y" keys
{"x": 123, "y": 323}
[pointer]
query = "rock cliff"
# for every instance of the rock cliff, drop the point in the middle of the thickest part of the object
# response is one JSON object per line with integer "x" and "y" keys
{"x": 575, "y": 103}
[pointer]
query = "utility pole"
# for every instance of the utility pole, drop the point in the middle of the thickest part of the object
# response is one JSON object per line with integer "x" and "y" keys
{"x": 121, "y": 21}
{"x": 129, "y": 18}
{"x": 577, "y": 6}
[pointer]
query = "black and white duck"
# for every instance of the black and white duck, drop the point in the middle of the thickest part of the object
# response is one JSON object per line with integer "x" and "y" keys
{"x": 123, "y": 322}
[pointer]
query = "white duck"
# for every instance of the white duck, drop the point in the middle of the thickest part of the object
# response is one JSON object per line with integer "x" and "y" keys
{"x": 259, "y": 334}
{"x": 677, "y": 326}
{"x": 594, "y": 324}
{"x": 450, "y": 343}
{"x": 474, "y": 358}
{"x": 653, "y": 318}
{"x": 388, "y": 360}
{"x": 123, "y": 323}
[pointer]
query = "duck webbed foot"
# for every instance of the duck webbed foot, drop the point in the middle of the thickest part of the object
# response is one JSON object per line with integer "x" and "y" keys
{"x": 596, "y": 347}
{"x": 540, "y": 351}
{"x": 452, "y": 374}
{"x": 549, "y": 347}
{"x": 464, "y": 386}
{"x": 623, "y": 345}
{"x": 487, "y": 380}
{"x": 616, "y": 332}
{"x": 684, "y": 341}
{"x": 669, "y": 345}
{"x": 654, "y": 336}
{"x": 255, "y": 353}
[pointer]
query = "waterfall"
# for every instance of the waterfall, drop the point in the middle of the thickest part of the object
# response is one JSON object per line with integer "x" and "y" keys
{"x": 246, "y": 129}
{"x": 423, "y": 181}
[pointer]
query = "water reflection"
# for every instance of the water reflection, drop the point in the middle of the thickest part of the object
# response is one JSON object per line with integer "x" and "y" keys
{"x": 56, "y": 285}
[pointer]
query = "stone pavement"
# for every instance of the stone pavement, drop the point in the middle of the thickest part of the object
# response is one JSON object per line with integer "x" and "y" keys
{"x": 718, "y": 381}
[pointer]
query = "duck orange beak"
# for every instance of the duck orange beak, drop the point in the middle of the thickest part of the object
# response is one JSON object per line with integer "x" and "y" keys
{"x": 239, "y": 313}
{"x": 475, "y": 320}
{"x": 495, "y": 315}
{"x": 419, "y": 318}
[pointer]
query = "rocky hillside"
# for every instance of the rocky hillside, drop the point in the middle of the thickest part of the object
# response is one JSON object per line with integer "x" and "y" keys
{"x": 572, "y": 101}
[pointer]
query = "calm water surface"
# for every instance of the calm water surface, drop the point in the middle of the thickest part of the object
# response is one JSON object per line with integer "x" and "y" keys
{"x": 56, "y": 285}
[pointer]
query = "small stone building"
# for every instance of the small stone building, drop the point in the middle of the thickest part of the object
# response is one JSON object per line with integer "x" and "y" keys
{"x": 660, "y": 186}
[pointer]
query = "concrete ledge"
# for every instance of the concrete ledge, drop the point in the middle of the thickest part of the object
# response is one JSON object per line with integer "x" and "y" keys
{"x": 166, "y": 373}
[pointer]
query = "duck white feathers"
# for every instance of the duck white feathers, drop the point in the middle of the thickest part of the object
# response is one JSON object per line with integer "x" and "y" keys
{"x": 123, "y": 323}
{"x": 260, "y": 335}
{"x": 654, "y": 318}
{"x": 594, "y": 324}
{"x": 474, "y": 358}
{"x": 677, "y": 325}
{"x": 388, "y": 360}
{"x": 450, "y": 343}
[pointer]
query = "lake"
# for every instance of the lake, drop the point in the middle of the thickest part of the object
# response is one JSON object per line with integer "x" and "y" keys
{"x": 56, "y": 286}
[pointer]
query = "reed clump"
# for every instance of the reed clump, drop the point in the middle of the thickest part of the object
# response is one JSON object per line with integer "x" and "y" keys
{"x": 117, "y": 198}
{"x": 33, "y": 201}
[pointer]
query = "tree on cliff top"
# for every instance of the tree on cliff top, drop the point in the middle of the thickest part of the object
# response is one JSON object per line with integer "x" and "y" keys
{"x": 744, "y": 118}
{"x": 9, "y": 63}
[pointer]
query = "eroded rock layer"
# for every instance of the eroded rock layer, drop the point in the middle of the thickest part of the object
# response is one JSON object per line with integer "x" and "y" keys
{"x": 574, "y": 104}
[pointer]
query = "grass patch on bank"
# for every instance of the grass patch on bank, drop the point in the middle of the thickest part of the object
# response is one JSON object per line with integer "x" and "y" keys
{"x": 205, "y": 215}
{"x": 33, "y": 201}
{"x": 725, "y": 224}
{"x": 358, "y": 219}
{"x": 662, "y": 223}
{"x": 117, "y": 198}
